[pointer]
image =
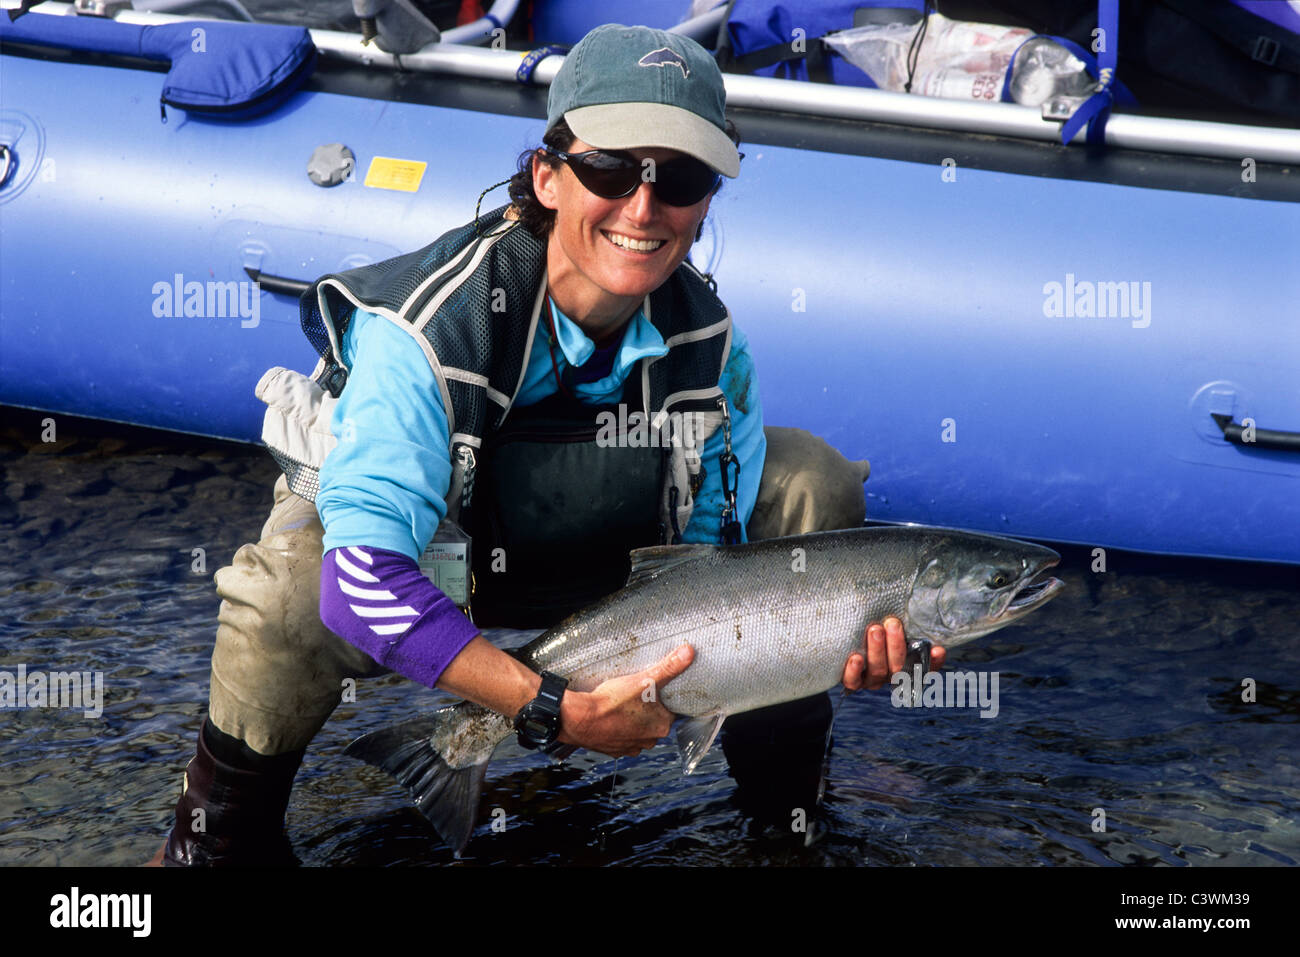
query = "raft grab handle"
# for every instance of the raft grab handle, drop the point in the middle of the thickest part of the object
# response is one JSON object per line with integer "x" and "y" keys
{"x": 1260, "y": 438}
{"x": 281, "y": 284}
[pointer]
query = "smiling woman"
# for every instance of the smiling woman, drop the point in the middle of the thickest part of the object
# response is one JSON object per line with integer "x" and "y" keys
{"x": 470, "y": 378}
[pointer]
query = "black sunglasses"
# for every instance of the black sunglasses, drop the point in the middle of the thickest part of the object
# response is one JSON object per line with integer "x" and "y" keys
{"x": 611, "y": 175}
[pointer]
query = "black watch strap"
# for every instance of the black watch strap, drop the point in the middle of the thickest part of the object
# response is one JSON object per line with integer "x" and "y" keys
{"x": 538, "y": 722}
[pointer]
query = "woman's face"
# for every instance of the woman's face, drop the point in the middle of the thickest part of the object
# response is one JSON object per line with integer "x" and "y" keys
{"x": 605, "y": 256}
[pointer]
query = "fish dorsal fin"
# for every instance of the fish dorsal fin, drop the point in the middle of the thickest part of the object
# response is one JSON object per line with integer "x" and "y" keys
{"x": 651, "y": 562}
{"x": 695, "y": 737}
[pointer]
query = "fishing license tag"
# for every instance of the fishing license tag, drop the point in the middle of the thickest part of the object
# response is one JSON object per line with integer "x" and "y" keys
{"x": 446, "y": 562}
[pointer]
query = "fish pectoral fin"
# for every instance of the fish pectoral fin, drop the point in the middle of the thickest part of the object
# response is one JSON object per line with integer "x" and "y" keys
{"x": 656, "y": 559}
{"x": 695, "y": 736}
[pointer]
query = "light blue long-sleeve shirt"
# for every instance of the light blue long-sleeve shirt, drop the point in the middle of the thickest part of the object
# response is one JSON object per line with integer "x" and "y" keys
{"x": 385, "y": 484}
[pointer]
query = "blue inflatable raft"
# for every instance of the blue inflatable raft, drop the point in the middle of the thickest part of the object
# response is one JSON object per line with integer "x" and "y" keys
{"x": 1023, "y": 337}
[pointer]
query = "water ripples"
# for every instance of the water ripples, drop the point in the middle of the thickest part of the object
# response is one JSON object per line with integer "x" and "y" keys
{"x": 1123, "y": 696}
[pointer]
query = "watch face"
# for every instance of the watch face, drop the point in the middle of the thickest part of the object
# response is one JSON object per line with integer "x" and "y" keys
{"x": 538, "y": 723}
{"x": 537, "y": 729}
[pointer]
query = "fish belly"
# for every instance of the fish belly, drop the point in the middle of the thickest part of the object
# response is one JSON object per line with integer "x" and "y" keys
{"x": 742, "y": 661}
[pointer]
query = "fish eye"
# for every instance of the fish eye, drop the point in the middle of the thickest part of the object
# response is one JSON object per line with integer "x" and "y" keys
{"x": 999, "y": 579}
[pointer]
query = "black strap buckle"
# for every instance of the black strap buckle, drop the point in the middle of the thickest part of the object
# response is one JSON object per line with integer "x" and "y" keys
{"x": 1266, "y": 50}
{"x": 334, "y": 379}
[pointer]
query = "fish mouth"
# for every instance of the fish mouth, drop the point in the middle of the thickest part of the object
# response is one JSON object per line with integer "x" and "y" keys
{"x": 1035, "y": 591}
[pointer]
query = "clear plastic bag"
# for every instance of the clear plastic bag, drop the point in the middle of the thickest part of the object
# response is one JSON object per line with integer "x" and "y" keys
{"x": 963, "y": 60}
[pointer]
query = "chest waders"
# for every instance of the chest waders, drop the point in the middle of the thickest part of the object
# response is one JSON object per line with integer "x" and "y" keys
{"x": 557, "y": 509}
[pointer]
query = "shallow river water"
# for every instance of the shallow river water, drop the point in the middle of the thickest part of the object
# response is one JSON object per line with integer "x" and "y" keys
{"x": 1124, "y": 696}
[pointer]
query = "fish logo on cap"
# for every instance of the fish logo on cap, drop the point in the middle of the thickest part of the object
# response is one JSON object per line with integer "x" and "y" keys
{"x": 665, "y": 57}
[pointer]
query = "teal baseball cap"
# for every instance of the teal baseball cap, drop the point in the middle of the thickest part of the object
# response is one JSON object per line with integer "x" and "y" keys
{"x": 626, "y": 88}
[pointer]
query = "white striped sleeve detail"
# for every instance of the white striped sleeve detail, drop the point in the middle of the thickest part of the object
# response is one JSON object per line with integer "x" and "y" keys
{"x": 354, "y": 571}
{"x": 394, "y": 629}
{"x": 373, "y": 594}
{"x": 360, "y": 556}
{"x": 363, "y": 611}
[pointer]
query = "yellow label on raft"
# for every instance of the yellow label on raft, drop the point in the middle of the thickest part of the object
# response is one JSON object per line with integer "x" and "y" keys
{"x": 388, "y": 173}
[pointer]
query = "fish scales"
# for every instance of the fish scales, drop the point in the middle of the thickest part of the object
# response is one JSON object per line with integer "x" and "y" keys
{"x": 762, "y": 631}
{"x": 770, "y": 622}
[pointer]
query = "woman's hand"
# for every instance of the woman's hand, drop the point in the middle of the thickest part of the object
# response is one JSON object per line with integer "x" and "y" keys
{"x": 623, "y": 716}
{"x": 886, "y": 653}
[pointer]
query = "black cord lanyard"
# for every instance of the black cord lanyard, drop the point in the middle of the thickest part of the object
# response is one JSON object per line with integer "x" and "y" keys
{"x": 730, "y": 480}
{"x": 550, "y": 325}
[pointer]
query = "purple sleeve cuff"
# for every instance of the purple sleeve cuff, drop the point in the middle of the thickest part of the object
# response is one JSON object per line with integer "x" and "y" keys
{"x": 381, "y": 602}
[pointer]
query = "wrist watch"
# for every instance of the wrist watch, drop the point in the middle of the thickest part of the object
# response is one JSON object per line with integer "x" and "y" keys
{"x": 538, "y": 722}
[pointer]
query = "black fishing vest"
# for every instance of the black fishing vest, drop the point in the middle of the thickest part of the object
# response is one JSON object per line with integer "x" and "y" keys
{"x": 563, "y": 511}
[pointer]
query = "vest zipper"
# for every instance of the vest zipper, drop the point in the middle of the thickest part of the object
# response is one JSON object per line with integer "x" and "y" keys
{"x": 465, "y": 458}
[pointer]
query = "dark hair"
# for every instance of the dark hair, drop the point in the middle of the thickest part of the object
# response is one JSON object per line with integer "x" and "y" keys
{"x": 538, "y": 219}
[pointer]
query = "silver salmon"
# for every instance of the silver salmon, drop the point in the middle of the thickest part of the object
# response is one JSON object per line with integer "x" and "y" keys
{"x": 770, "y": 621}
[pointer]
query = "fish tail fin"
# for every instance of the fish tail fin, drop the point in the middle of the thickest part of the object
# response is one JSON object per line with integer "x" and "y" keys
{"x": 441, "y": 759}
